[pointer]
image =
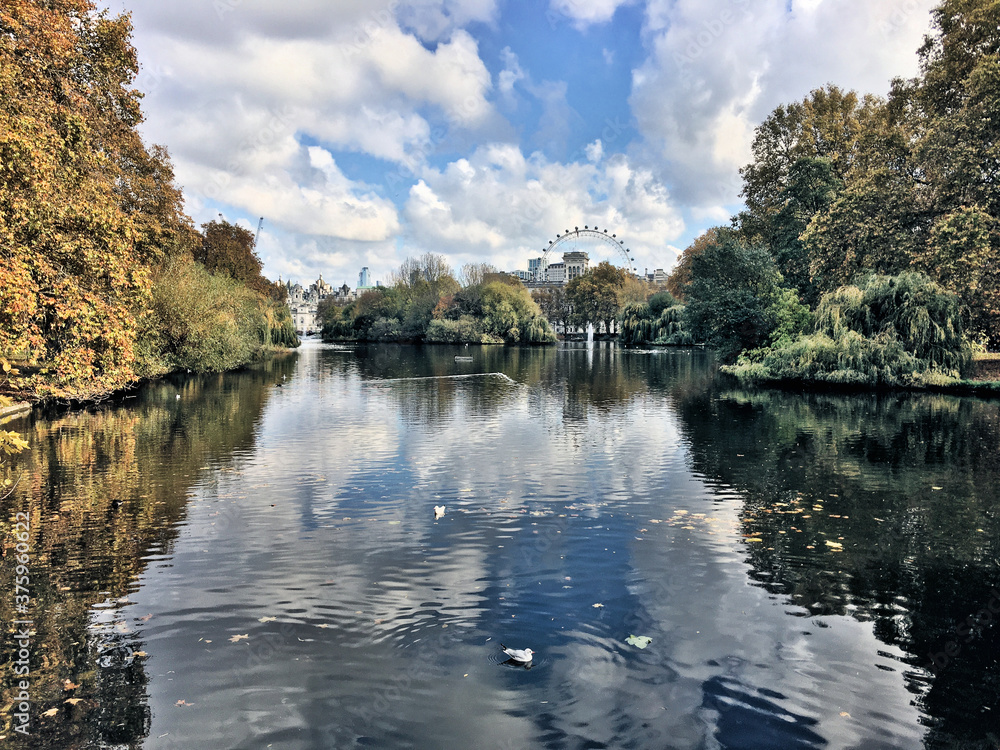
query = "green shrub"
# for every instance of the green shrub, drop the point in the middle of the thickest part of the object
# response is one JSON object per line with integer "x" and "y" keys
{"x": 465, "y": 330}
{"x": 204, "y": 322}
{"x": 887, "y": 331}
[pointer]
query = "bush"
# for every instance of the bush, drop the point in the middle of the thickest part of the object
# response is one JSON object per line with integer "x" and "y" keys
{"x": 662, "y": 326}
{"x": 206, "y": 323}
{"x": 465, "y": 330}
{"x": 888, "y": 331}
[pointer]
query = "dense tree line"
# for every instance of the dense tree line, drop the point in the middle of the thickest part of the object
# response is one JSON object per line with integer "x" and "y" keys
{"x": 860, "y": 198}
{"x": 425, "y": 303}
{"x": 96, "y": 252}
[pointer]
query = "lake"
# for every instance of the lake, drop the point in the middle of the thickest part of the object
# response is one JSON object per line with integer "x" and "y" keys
{"x": 253, "y": 560}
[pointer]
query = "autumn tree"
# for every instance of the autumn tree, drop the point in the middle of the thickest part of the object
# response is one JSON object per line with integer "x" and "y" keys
{"x": 86, "y": 208}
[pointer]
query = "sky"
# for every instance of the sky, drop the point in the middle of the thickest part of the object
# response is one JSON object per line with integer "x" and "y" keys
{"x": 368, "y": 131}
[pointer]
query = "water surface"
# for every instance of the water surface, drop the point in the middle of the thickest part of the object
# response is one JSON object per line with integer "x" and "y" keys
{"x": 253, "y": 560}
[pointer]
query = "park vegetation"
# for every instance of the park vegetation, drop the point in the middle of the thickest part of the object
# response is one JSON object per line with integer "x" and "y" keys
{"x": 103, "y": 278}
{"x": 425, "y": 303}
{"x": 868, "y": 250}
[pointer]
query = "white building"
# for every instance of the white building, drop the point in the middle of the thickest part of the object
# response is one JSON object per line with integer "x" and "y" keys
{"x": 303, "y": 302}
{"x": 540, "y": 271}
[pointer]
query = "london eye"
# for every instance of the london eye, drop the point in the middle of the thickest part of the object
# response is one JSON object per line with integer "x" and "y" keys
{"x": 588, "y": 238}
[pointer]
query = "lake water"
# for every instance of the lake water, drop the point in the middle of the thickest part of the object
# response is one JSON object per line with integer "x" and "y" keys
{"x": 253, "y": 560}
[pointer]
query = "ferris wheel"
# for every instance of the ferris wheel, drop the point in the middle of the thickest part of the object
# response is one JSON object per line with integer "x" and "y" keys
{"x": 581, "y": 239}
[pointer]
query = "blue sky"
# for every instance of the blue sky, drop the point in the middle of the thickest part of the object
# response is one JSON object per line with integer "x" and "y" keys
{"x": 366, "y": 131}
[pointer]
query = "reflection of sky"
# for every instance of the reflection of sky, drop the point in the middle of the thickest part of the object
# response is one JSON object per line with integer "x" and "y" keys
{"x": 387, "y": 621}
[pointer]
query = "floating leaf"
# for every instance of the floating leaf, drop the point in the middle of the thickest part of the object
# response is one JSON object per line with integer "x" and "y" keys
{"x": 639, "y": 641}
{"x": 72, "y": 701}
{"x": 267, "y": 619}
{"x": 236, "y": 638}
{"x": 597, "y": 605}
{"x": 50, "y": 712}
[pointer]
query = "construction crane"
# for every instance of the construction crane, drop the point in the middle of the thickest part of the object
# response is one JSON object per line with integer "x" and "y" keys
{"x": 260, "y": 225}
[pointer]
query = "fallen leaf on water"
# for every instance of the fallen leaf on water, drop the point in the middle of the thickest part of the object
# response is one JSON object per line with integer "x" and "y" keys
{"x": 72, "y": 701}
{"x": 844, "y": 713}
{"x": 835, "y": 545}
{"x": 236, "y": 638}
{"x": 146, "y": 618}
{"x": 937, "y": 488}
{"x": 639, "y": 641}
{"x": 50, "y": 712}
{"x": 267, "y": 619}
{"x": 69, "y": 685}
{"x": 143, "y": 653}
{"x": 183, "y": 703}
{"x": 598, "y": 605}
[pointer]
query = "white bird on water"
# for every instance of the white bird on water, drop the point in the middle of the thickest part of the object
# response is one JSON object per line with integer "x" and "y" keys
{"x": 522, "y": 655}
{"x": 438, "y": 511}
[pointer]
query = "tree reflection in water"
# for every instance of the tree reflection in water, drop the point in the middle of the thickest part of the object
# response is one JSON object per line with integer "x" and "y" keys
{"x": 882, "y": 508}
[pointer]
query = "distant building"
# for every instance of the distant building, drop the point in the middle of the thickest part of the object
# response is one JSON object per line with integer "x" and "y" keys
{"x": 659, "y": 276}
{"x": 304, "y": 302}
{"x": 541, "y": 272}
{"x": 576, "y": 264}
{"x": 555, "y": 273}
{"x": 364, "y": 279}
{"x": 536, "y": 269}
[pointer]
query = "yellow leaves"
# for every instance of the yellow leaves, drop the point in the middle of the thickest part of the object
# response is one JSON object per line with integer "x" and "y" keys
{"x": 238, "y": 638}
{"x": 11, "y": 442}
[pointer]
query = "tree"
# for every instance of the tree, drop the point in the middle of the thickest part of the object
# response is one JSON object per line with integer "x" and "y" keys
{"x": 828, "y": 124}
{"x": 229, "y": 249}
{"x": 962, "y": 256}
{"x": 85, "y": 207}
{"x": 428, "y": 267}
{"x": 680, "y": 277}
{"x": 733, "y": 297}
{"x": 812, "y": 187}
{"x": 553, "y": 304}
{"x": 900, "y": 330}
{"x": 872, "y": 227}
{"x": 474, "y": 273}
{"x": 594, "y": 295}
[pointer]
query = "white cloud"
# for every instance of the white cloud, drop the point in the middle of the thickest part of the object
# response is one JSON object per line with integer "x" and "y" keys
{"x": 717, "y": 68}
{"x": 499, "y": 206}
{"x": 511, "y": 73}
{"x": 433, "y": 20}
{"x": 594, "y": 151}
{"x": 586, "y": 12}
